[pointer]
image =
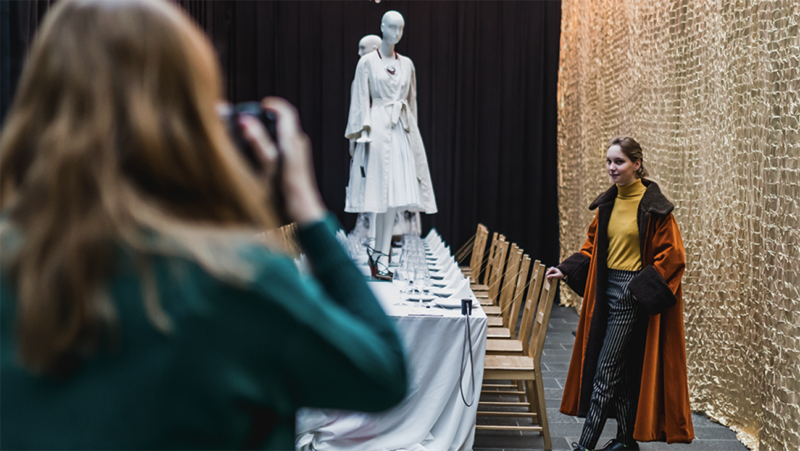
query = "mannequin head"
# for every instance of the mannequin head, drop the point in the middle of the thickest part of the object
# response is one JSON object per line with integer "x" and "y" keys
{"x": 392, "y": 26}
{"x": 368, "y": 43}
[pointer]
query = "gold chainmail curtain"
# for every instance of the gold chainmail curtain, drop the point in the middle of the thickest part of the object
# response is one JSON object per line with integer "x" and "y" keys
{"x": 711, "y": 89}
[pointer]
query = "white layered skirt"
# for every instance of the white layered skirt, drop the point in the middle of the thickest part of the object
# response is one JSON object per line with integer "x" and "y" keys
{"x": 403, "y": 187}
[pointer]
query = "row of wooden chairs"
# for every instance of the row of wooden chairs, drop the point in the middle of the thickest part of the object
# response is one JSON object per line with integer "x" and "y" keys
{"x": 502, "y": 278}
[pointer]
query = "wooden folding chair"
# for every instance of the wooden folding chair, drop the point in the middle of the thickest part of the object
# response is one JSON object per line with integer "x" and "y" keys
{"x": 501, "y": 292}
{"x": 497, "y": 310}
{"x": 495, "y": 329}
{"x": 483, "y": 285}
{"x": 511, "y": 309}
{"x": 478, "y": 250}
{"x": 520, "y": 345}
{"x": 525, "y": 368}
{"x": 494, "y": 271}
{"x": 511, "y": 300}
{"x": 506, "y": 287}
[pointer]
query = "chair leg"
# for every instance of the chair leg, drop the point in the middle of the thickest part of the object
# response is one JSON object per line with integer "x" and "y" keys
{"x": 533, "y": 397}
{"x": 521, "y": 387}
{"x": 543, "y": 422}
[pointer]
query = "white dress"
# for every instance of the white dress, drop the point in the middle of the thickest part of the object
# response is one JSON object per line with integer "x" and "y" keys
{"x": 392, "y": 170}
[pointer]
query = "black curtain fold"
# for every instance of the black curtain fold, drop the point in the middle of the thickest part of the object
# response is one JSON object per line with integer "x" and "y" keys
{"x": 5, "y": 58}
{"x": 18, "y": 24}
{"x": 486, "y": 77}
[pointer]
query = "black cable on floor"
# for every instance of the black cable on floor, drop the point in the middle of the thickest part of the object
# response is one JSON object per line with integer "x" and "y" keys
{"x": 466, "y": 310}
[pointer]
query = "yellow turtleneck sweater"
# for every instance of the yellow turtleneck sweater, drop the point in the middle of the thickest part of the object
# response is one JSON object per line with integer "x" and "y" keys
{"x": 623, "y": 231}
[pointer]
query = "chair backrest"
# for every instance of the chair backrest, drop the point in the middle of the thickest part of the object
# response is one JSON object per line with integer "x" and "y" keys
{"x": 492, "y": 249}
{"x": 508, "y": 285}
{"x": 541, "y": 321}
{"x": 519, "y": 291}
{"x": 529, "y": 312}
{"x": 498, "y": 267}
{"x": 478, "y": 249}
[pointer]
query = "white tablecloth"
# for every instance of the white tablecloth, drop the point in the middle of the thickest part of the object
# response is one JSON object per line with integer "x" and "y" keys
{"x": 432, "y": 416}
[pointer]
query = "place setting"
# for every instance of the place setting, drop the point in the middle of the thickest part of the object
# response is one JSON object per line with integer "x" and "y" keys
{"x": 428, "y": 280}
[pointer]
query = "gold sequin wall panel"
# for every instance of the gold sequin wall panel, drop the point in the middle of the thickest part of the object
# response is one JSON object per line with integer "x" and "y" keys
{"x": 711, "y": 91}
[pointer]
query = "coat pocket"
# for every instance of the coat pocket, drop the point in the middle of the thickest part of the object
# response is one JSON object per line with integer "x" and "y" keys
{"x": 651, "y": 290}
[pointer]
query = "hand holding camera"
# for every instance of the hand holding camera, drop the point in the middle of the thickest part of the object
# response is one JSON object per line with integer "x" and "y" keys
{"x": 287, "y": 162}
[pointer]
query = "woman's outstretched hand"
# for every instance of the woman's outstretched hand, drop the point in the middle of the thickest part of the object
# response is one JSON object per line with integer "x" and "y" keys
{"x": 553, "y": 273}
{"x": 303, "y": 201}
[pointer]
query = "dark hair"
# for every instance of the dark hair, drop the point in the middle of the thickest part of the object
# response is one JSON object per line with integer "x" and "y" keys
{"x": 632, "y": 150}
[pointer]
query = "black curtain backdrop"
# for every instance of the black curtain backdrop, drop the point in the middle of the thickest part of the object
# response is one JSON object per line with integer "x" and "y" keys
{"x": 19, "y": 21}
{"x": 5, "y": 60}
{"x": 486, "y": 81}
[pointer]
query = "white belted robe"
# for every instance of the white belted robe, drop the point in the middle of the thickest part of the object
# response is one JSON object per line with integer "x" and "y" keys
{"x": 392, "y": 170}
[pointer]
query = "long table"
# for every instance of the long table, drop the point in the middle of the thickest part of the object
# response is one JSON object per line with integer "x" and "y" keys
{"x": 433, "y": 416}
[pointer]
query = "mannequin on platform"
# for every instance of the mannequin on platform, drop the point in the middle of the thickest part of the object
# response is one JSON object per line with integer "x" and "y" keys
{"x": 389, "y": 171}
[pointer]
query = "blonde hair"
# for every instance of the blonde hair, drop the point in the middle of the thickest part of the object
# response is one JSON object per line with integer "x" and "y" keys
{"x": 113, "y": 138}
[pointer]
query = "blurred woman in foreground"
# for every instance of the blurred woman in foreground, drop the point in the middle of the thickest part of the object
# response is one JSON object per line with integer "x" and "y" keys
{"x": 137, "y": 309}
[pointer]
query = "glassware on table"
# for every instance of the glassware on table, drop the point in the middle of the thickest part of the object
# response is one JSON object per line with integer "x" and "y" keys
{"x": 426, "y": 277}
{"x": 420, "y": 274}
{"x": 403, "y": 241}
{"x": 400, "y": 279}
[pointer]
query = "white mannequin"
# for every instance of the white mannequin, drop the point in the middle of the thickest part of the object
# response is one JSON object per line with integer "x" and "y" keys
{"x": 367, "y": 44}
{"x": 392, "y": 26}
{"x": 390, "y": 169}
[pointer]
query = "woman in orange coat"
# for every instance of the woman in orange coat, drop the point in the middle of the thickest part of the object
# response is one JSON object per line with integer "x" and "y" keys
{"x": 629, "y": 359}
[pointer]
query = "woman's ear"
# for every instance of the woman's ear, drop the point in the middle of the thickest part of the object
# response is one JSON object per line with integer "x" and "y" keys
{"x": 637, "y": 165}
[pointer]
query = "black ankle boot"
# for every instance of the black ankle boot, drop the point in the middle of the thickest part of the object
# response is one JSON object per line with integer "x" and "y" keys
{"x": 615, "y": 445}
{"x": 577, "y": 447}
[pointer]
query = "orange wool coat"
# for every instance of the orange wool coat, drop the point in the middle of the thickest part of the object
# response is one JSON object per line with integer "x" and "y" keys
{"x": 663, "y": 407}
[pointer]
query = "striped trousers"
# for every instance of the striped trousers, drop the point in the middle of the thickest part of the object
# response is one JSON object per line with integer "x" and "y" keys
{"x": 612, "y": 386}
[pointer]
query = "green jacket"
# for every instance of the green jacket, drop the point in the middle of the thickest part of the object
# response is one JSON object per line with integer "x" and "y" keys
{"x": 237, "y": 365}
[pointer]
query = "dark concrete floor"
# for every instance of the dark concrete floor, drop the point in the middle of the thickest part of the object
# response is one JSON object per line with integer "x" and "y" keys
{"x": 565, "y": 429}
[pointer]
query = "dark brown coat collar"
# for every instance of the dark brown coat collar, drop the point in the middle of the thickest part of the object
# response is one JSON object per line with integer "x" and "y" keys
{"x": 652, "y": 201}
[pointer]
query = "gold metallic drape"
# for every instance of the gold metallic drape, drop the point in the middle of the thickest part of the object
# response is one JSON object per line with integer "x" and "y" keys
{"x": 711, "y": 89}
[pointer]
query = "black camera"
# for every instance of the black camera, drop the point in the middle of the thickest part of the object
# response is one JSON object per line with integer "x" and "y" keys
{"x": 230, "y": 114}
